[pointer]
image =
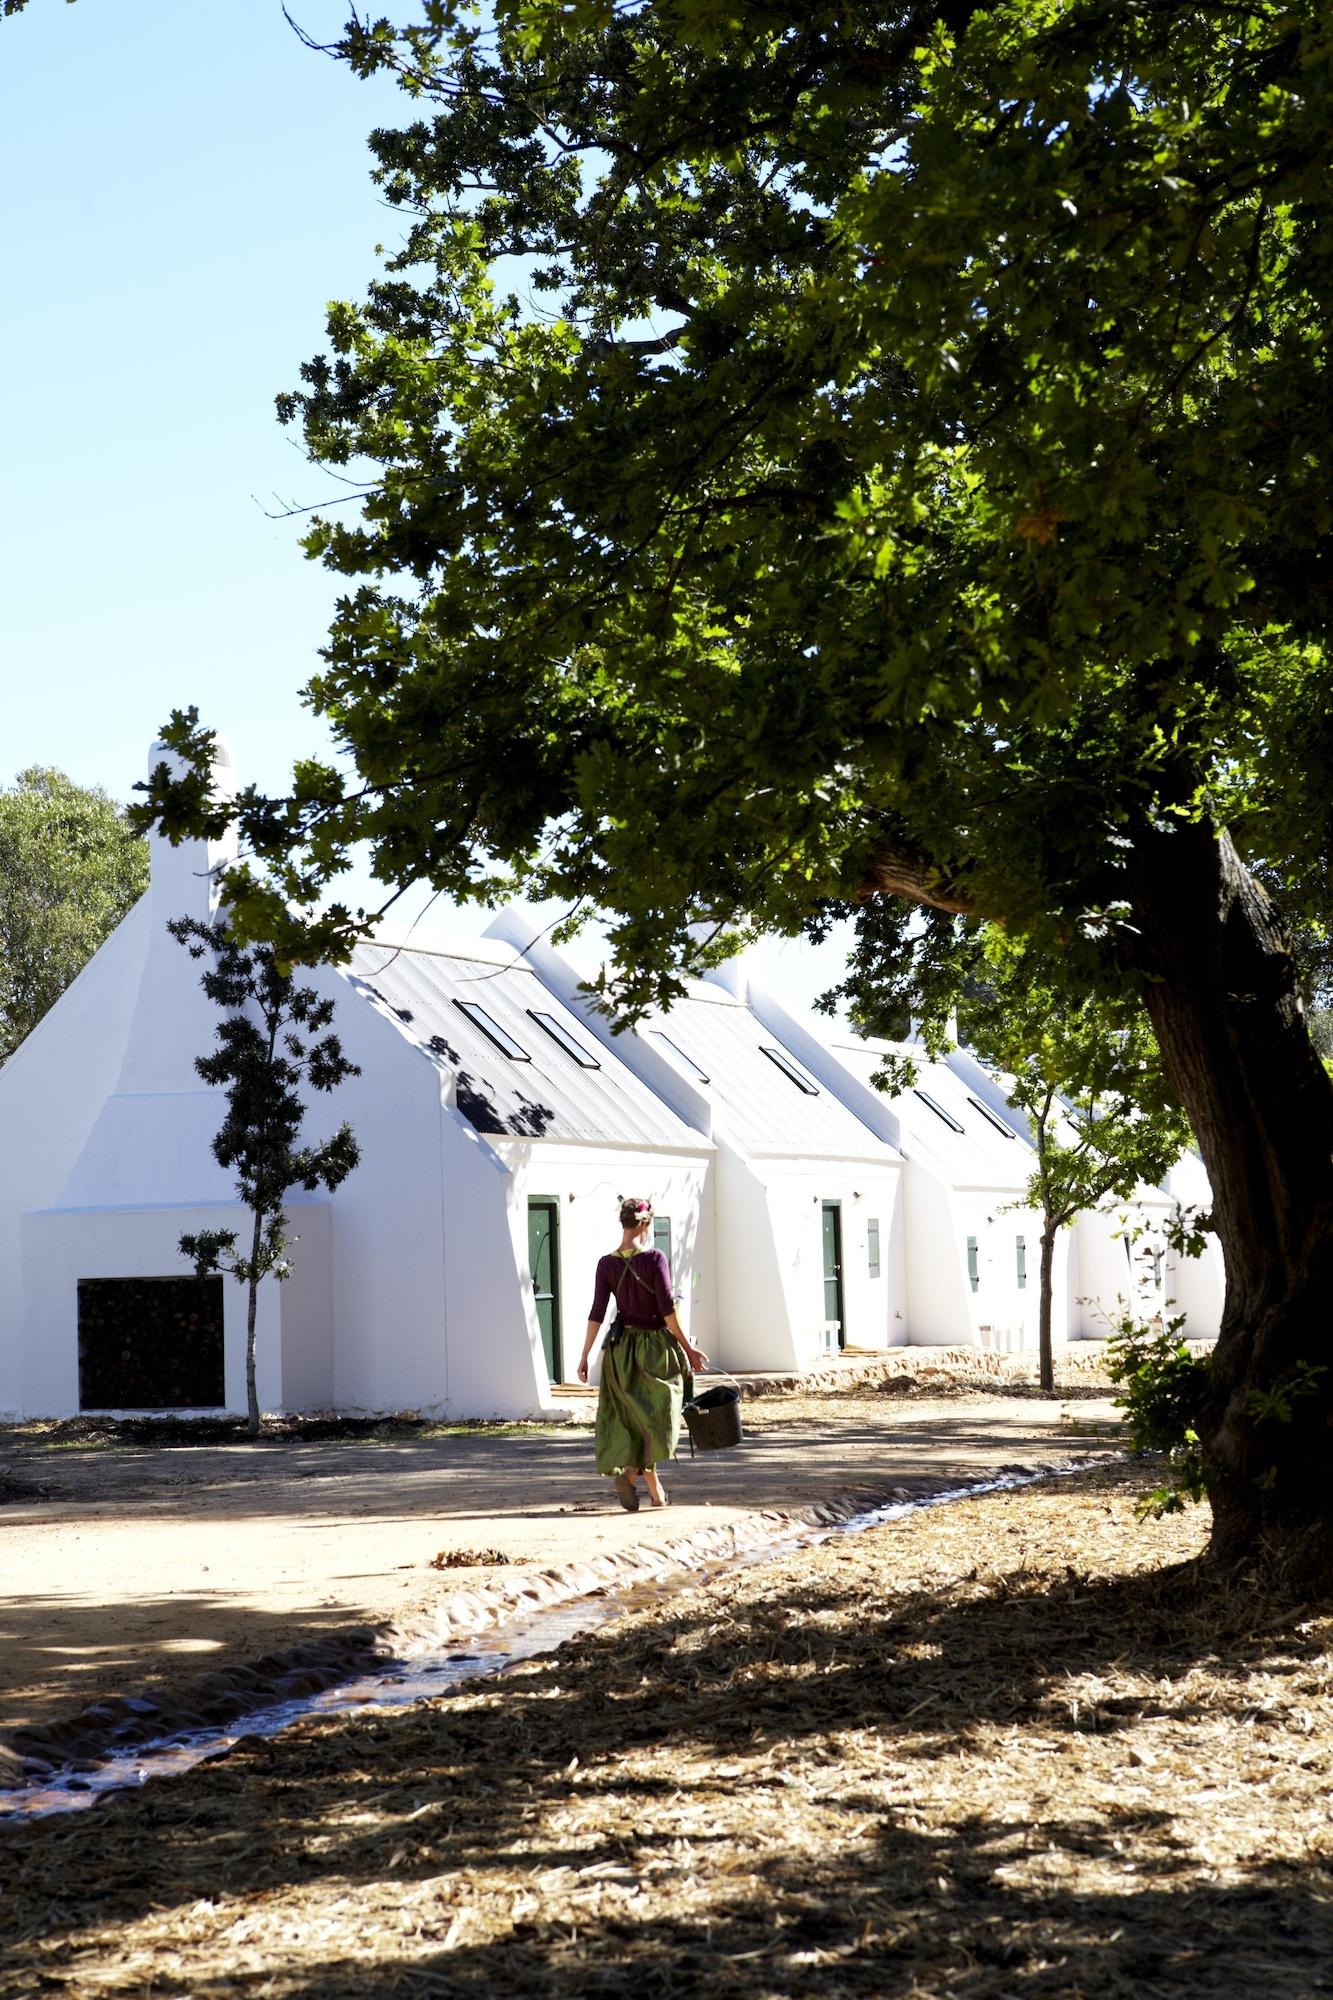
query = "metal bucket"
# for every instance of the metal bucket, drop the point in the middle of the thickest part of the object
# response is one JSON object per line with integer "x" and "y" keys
{"x": 713, "y": 1419}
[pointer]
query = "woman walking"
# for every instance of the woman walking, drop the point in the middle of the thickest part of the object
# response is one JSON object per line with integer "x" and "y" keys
{"x": 646, "y": 1363}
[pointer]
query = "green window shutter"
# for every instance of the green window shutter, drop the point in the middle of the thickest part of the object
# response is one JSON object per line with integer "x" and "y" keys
{"x": 662, "y": 1238}
{"x": 872, "y": 1245}
{"x": 1021, "y": 1255}
{"x": 973, "y": 1274}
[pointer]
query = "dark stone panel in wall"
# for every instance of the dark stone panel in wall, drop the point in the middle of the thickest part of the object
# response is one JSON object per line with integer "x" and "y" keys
{"x": 150, "y": 1344}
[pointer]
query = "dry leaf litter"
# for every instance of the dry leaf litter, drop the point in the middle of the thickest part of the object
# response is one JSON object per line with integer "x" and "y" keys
{"x": 1019, "y": 1746}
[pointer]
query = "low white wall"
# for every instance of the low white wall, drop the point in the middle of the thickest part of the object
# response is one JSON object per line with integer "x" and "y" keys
{"x": 1005, "y": 1315}
{"x": 1198, "y": 1285}
{"x": 1000, "y": 1315}
{"x": 1120, "y": 1250}
{"x": 771, "y": 1313}
{"x": 61, "y": 1246}
{"x": 1196, "y": 1288}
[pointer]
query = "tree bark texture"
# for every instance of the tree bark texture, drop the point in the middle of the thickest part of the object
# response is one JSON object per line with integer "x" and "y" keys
{"x": 251, "y": 1315}
{"x": 1221, "y": 990}
{"x": 1045, "y": 1354}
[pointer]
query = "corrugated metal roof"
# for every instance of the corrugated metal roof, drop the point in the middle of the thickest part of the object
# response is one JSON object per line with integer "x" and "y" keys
{"x": 980, "y": 1155}
{"x": 551, "y": 1096}
{"x": 763, "y": 1109}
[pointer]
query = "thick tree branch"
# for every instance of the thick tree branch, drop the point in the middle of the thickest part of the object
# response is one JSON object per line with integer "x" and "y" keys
{"x": 899, "y": 869}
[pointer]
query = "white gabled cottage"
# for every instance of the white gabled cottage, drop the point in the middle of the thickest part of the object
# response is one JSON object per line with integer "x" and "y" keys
{"x": 972, "y": 1245}
{"x": 451, "y": 1272}
{"x": 1124, "y": 1262}
{"x": 806, "y": 1195}
{"x": 539, "y": 1129}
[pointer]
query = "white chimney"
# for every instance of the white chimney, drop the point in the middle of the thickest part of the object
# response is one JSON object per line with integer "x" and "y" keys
{"x": 185, "y": 880}
{"x": 173, "y": 1018}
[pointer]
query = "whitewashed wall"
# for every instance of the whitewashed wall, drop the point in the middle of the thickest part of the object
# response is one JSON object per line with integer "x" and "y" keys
{"x": 873, "y": 1308}
{"x": 1197, "y": 1285}
{"x": 51, "y": 1090}
{"x": 1121, "y": 1249}
{"x": 587, "y": 1182}
{"x": 388, "y": 1215}
{"x": 62, "y": 1245}
{"x": 754, "y": 1326}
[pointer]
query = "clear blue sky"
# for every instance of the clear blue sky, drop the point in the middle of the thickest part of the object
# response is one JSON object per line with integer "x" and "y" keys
{"x": 185, "y": 187}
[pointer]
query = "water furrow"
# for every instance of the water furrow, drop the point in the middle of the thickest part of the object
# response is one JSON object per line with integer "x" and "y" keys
{"x": 429, "y": 1674}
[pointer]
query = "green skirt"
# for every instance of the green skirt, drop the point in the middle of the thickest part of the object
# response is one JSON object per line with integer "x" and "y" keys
{"x": 644, "y": 1382}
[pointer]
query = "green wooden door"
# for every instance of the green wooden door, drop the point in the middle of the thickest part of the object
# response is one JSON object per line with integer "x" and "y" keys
{"x": 833, "y": 1308}
{"x": 544, "y": 1264}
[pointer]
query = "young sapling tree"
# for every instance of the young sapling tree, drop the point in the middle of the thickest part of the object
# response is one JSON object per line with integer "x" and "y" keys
{"x": 1103, "y": 1117}
{"x": 274, "y": 1039}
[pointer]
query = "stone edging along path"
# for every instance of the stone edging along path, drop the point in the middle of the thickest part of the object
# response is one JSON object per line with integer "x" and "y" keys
{"x": 961, "y": 1367}
{"x": 216, "y": 1699}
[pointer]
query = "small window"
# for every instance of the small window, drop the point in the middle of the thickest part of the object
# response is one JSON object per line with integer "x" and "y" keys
{"x": 792, "y": 1071}
{"x": 973, "y": 1273}
{"x": 872, "y": 1245}
{"x": 680, "y": 1055}
{"x": 150, "y": 1344}
{"x": 993, "y": 1117}
{"x": 939, "y": 1110}
{"x": 566, "y": 1041}
{"x": 493, "y": 1031}
{"x": 662, "y": 1238}
{"x": 1021, "y": 1260}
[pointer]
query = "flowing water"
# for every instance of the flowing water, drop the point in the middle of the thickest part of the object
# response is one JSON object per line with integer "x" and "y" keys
{"x": 401, "y": 1683}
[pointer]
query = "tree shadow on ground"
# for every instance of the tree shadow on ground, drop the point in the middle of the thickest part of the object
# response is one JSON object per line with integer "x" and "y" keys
{"x": 183, "y": 1660}
{"x": 737, "y": 1792}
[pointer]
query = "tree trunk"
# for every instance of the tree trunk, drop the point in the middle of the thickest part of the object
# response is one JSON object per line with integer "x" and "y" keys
{"x": 1045, "y": 1356}
{"x": 1222, "y": 994}
{"x": 251, "y": 1315}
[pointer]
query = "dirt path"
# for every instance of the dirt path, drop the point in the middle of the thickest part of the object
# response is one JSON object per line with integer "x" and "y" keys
{"x": 143, "y": 1569}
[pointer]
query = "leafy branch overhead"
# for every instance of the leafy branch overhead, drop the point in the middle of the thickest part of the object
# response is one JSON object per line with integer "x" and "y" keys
{"x": 817, "y": 454}
{"x": 888, "y": 443}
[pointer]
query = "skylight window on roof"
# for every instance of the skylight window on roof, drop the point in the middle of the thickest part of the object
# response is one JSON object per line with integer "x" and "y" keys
{"x": 493, "y": 1032}
{"x": 939, "y": 1110}
{"x": 561, "y": 1035}
{"x": 791, "y": 1071}
{"x": 994, "y": 1117}
{"x": 680, "y": 1055}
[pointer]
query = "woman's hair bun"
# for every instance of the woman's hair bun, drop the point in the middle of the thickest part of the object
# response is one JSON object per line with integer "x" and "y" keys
{"x": 633, "y": 1211}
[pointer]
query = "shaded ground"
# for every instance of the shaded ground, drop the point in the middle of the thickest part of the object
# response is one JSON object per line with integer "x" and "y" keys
{"x": 149, "y": 1563}
{"x": 1015, "y": 1747}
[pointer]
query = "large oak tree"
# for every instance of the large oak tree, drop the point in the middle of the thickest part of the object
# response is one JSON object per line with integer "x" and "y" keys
{"x": 869, "y": 451}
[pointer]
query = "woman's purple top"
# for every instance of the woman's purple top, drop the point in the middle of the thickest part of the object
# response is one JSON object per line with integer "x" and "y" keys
{"x": 641, "y": 1286}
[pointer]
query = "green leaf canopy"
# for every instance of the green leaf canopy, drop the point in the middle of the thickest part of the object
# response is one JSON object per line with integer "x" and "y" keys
{"x": 830, "y": 453}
